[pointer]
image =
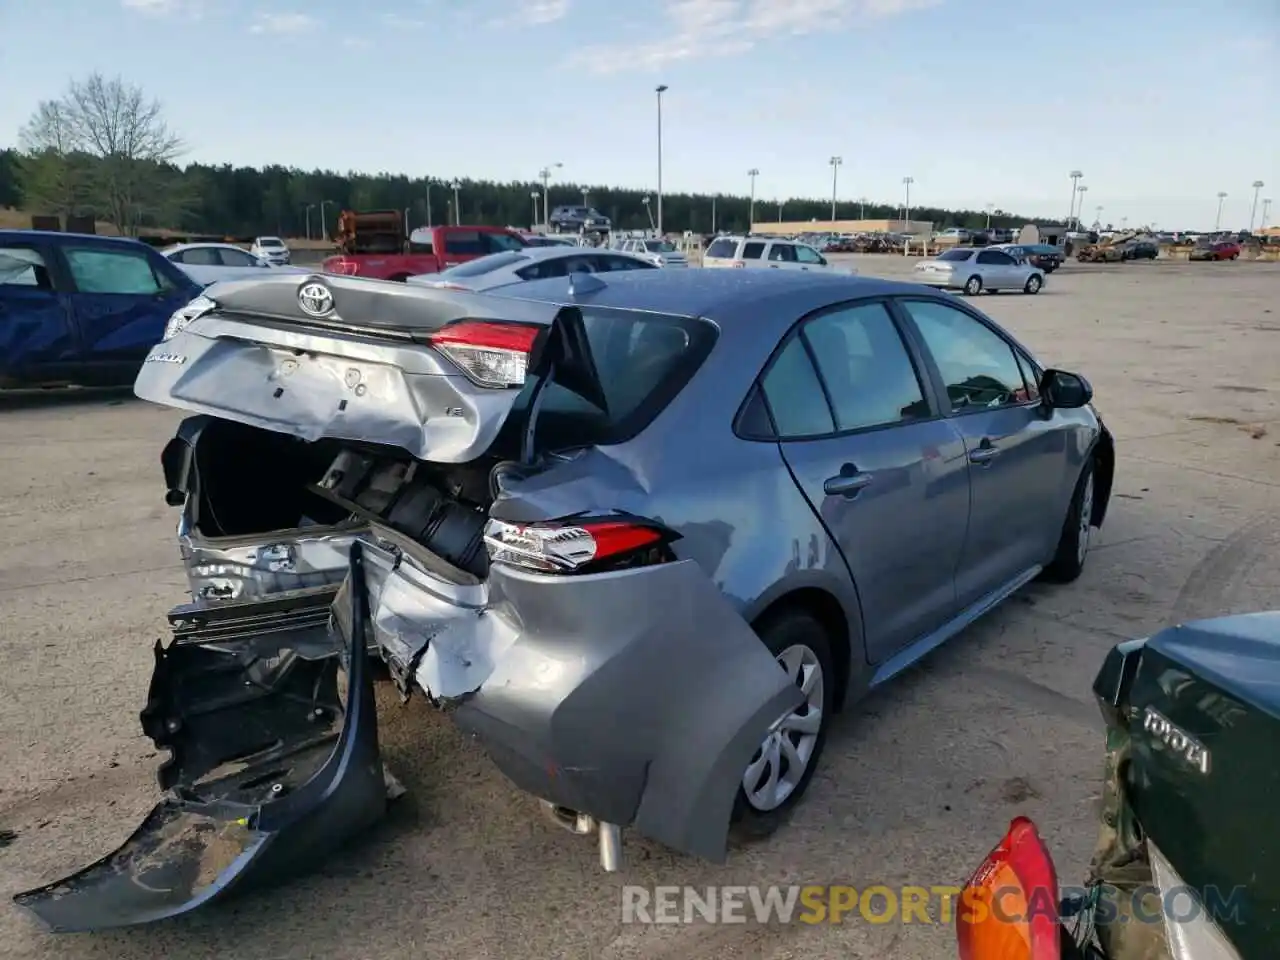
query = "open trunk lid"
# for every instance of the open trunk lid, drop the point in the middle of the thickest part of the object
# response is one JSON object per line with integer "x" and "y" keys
{"x": 433, "y": 372}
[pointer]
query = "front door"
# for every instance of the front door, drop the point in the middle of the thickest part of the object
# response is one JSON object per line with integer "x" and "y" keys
{"x": 1017, "y": 453}
{"x": 809, "y": 259}
{"x": 887, "y": 477}
{"x": 121, "y": 299}
{"x": 36, "y": 331}
{"x": 999, "y": 271}
{"x": 782, "y": 256}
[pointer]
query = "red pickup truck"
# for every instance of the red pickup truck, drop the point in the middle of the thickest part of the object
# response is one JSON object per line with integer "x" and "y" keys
{"x": 374, "y": 245}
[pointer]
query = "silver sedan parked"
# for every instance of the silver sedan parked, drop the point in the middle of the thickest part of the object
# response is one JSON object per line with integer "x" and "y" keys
{"x": 976, "y": 269}
{"x": 530, "y": 263}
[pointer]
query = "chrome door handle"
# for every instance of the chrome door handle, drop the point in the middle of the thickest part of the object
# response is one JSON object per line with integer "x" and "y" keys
{"x": 847, "y": 482}
{"x": 985, "y": 453}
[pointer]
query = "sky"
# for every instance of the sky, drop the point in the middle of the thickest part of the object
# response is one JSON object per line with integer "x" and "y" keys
{"x": 1161, "y": 105}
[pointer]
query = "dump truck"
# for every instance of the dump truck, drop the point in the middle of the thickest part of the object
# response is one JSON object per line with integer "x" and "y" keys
{"x": 374, "y": 244}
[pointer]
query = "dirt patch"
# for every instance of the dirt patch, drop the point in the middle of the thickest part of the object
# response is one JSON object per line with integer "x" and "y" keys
{"x": 1018, "y": 790}
{"x": 221, "y": 851}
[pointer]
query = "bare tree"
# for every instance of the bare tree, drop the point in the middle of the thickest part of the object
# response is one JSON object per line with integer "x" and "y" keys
{"x": 105, "y": 146}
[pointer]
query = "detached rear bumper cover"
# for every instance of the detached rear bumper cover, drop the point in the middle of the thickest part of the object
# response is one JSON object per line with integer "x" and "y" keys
{"x": 637, "y": 696}
{"x": 268, "y": 774}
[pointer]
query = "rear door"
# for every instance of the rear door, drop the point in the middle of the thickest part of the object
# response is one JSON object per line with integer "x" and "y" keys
{"x": 1017, "y": 456}
{"x": 36, "y": 329}
{"x": 886, "y": 474}
{"x": 782, "y": 256}
{"x": 122, "y": 296}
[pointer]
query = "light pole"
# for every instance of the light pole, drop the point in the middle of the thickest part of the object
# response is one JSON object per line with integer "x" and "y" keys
{"x": 545, "y": 174}
{"x": 1124, "y": 223}
{"x": 862, "y": 208}
{"x": 457, "y": 203}
{"x": 751, "y": 211}
{"x": 534, "y": 194}
{"x": 835, "y": 173}
{"x": 660, "y": 89}
{"x": 990, "y": 207}
{"x": 430, "y": 222}
{"x": 1266, "y": 208}
{"x": 1097, "y": 216}
{"x": 312, "y": 206}
{"x": 907, "y": 182}
{"x": 1257, "y": 186}
{"x": 585, "y": 197}
{"x": 713, "y": 213}
{"x": 1081, "y": 191}
{"x": 649, "y": 213}
{"x": 1217, "y": 221}
{"x": 779, "y": 203}
{"x": 1075, "y": 176}
{"x": 323, "y": 233}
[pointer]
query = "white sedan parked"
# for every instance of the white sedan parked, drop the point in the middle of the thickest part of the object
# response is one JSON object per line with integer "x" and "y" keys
{"x": 210, "y": 262}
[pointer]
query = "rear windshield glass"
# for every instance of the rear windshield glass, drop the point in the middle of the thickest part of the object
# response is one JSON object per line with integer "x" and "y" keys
{"x": 643, "y": 361}
{"x": 478, "y": 268}
{"x": 722, "y": 248}
{"x": 956, "y": 255}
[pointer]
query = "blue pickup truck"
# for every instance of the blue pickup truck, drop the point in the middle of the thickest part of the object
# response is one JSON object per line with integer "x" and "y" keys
{"x": 79, "y": 309}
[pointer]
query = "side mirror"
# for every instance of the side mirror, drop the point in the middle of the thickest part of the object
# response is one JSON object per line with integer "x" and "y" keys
{"x": 1061, "y": 390}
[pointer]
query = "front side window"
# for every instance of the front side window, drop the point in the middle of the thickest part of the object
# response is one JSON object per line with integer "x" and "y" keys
{"x": 236, "y": 258}
{"x": 808, "y": 255}
{"x": 112, "y": 271}
{"x": 977, "y": 365}
{"x": 865, "y": 366}
{"x": 782, "y": 253}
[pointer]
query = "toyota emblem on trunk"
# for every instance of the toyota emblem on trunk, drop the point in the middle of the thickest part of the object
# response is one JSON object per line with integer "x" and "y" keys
{"x": 315, "y": 299}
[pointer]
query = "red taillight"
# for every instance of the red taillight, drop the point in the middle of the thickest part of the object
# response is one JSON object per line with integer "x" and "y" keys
{"x": 342, "y": 266}
{"x": 569, "y": 547}
{"x": 491, "y": 354}
{"x": 1009, "y": 908}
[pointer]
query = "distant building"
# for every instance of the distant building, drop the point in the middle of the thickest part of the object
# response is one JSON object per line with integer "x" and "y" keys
{"x": 913, "y": 227}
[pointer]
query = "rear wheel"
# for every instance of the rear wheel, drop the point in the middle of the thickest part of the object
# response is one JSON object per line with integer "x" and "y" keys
{"x": 1033, "y": 285}
{"x": 973, "y": 286}
{"x": 782, "y": 766}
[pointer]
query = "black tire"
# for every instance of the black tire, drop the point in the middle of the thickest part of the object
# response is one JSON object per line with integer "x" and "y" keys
{"x": 973, "y": 286}
{"x": 1069, "y": 559}
{"x": 788, "y": 629}
{"x": 1033, "y": 284}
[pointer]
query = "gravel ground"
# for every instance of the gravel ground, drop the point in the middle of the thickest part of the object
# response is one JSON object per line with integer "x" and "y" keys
{"x": 918, "y": 781}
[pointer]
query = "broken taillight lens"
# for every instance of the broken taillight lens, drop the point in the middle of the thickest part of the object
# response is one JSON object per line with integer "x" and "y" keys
{"x": 491, "y": 354}
{"x": 574, "y": 547}
{"x": 1009, "y": 908}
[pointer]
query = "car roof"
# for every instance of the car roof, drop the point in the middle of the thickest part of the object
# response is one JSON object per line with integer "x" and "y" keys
{"x": 197, "y": 246}
{"x": 46, "y": 235}
{"x": 719, "y": 295}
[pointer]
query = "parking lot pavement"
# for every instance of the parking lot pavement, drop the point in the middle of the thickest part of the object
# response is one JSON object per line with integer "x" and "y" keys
{"x": 917, "y": 782}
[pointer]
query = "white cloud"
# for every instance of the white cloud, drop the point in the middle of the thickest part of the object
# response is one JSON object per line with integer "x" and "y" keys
{"x": 534, "y": 13}
{"x": 164, "y": 8}
{"x": 397, "y": 21}
{"x": 356, "y": 43}
{"x": 283, "y": 23}
{"x": 723, "y": 28}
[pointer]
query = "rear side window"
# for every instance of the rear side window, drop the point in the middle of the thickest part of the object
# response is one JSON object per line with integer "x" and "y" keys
{"x": 24, "y": 267}
{"x": 794, "y": 394}
{"x": 752, "y": 251}
{"x": 478, "y": 268}
{"x": 643, "y": 361}
{"x": 113, "y": 271}
{"x": 235, "y": 258}
{"x": 722, "y": 248}
{"x": 201, "y": 257}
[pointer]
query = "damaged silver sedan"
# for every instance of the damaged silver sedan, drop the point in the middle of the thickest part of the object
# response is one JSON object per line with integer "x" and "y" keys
{"x": 641, "y": 535}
